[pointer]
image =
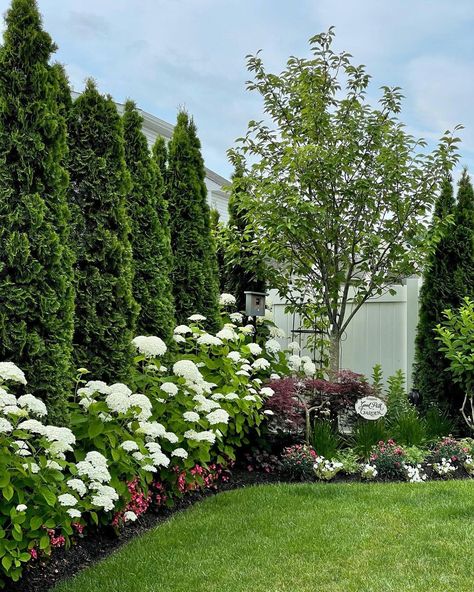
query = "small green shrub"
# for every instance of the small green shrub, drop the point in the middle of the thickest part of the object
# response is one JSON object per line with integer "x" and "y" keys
{"x": 397, "y": 400}
{"x": 349, "y": 460}
{"x": 366, "y": 435}
{"x": 408, "y": 428}
{"x": 438, "y": 424}
{"x": 326, "y": 440}
{"x": 415, "y": 455}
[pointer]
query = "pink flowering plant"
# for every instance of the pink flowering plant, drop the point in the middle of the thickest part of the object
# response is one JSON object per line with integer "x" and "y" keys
{"x": 297, "y": 462}
{"x": 388, "y": 459}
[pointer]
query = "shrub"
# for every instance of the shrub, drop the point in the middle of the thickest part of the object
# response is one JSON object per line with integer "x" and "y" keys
{"x": 325, "y": 440}
{"x": 437, "y": 424}
{"x": 349, "y": 460}
{"x": 450, "y": 449}
{"x": 388, "y": 458}
{"x": 366, "y": 435}
{"x": 415, "y": 455}
{"x": 408, "y": 428}
{"x": 297, "y": 462}
{"x": 287, "y": 412}
{"x": 36, "y": 275}
{"x": 397, "y": 400}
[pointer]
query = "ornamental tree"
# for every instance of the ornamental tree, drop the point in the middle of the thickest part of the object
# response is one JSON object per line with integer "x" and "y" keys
{"x": 195, "y": 273}
{"x": 150, "y": 237}
{"x": 36, "y": 289}
{"x": 335, "y": 187}
{"x": 106, "y": 311}
{"x": 448, "y": 277}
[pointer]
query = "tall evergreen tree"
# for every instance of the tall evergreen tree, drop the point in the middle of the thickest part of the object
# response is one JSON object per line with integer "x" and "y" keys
{"x": 36, "y": 290}
{"x": 160, "y": 155}
{"x": 243, "y": 270}
{"x": 106, "y": 311}
{"x": 195, "y": 275}
{"x": 449, "y": 276}
{"x": 150, "y": 234}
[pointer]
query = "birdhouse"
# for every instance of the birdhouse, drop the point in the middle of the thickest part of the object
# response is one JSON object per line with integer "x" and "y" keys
{"x": 255, "y": 304}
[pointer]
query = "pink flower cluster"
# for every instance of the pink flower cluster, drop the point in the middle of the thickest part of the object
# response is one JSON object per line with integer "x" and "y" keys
{"x": 56, "y": 541}
{"x": 390, "y": 446}
{"x": 139, "y": 502}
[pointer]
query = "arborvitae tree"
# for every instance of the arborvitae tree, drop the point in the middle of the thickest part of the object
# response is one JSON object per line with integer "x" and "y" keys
{"x": 150, "y": 235}
{"x": 106, "y": 311}
{"x": 194, "y": 276}
{"x": 449, "y": 276}
{"x": 218, "y": 231}
{"x": 242, "y": 271}
{"x": 36, "y": 289}
{"x": 160, "y": 157}
{"x": 160, "y": 154}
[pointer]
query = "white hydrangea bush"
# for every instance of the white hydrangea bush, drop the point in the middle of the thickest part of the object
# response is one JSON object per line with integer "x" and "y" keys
{"x": 44, "y": 495}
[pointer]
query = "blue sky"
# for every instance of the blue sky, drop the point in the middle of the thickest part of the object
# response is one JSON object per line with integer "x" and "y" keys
{"x": 167, "y": 54}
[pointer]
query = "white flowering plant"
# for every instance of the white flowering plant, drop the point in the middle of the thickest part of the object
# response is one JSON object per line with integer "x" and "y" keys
{"x": 39, "y": 509}
{"x": 326, "y": 469}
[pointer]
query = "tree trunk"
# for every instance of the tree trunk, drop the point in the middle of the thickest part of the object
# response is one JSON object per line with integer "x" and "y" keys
{"x": 334, "y": 351}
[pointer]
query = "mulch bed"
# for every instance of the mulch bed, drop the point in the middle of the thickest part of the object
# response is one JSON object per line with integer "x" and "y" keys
{"x": 42, "y": 575}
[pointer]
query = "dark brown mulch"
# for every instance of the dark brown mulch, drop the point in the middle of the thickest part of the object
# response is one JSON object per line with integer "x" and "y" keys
{"x": 41, "y": 576}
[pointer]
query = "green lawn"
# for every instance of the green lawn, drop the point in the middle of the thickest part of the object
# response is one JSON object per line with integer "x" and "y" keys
{"x": 304, "y": 538}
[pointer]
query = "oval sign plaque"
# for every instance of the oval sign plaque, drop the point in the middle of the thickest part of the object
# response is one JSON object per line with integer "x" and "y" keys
{"x": 371, "y": 407}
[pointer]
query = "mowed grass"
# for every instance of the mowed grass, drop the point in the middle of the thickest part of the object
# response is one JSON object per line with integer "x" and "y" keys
{"x": 303, "y": 538}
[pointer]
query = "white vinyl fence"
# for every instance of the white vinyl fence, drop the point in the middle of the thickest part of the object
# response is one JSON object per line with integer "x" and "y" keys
{"x": 382, "y": 332}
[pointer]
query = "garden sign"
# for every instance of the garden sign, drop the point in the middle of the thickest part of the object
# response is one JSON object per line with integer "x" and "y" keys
{"x": 371, "y": 407}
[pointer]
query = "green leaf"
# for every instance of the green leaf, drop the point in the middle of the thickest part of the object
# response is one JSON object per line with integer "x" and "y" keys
{"x": 8, "y": 492}
{"x": 44, "y": 542}
{"x": 36, "y": 522}
{"x": 7, "y": 562}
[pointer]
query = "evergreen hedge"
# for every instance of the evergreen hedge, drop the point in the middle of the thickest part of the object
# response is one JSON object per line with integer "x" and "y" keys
{"x": 449, "y": 276}
{"x": 36, "y": 288}
{"x": 150, "y": 232}
{"x": 195, "y": 273}
{"x": 106, "y": 311}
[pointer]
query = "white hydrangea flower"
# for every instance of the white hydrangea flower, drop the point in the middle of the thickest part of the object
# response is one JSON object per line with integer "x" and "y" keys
{"x": 261, "y": 364}
{"x": 5, "y": 426}
{"x": 247, "y": 329}
{"x": 6, "y": 399}
{"x": 52, "y": 464}
{"x": 78, "y": 486}
{"x": 266, "y": 391}
{"x": 205, "y": 405}
{"x": 63, "y": 436}
{"x": 33, "y": 467}
{"x": 293, "y": 346}
{"x": 21, "y": 508}
{"x": 118, "y": 402}
{"x": 150, "y": 346}
{"x": 105, "y": 496}
{"x": 268, "y": 412}
{"x": 179, "y": 339}
{"x": 218, "y": 416}
{"x": 294, "y": 362}
{"x": 151, "y": 429}
{"x": 180, "y": 453}
{"x": 144, "y": 404}
{"x": 305, "y": 359}
{"x": 10, "y": 371}
{"x": 205, "y": 436}
{"x": 237, "y": 317}
{"x": 33, "y": 404}
{"x": 159, "y": 459}
{"x": 227, "y": 300}
{"x": 272, "y": 346}
{"x": 171, "y": 437}
{"x": 227, "y": 334}
{"x": 94, "y": 466}
{"x": 129, "y": 516}
{"x": 129, "y": 445}
{"x": 309, "y": 368}
{"x": 170, "y": 388}
{"x": 232, "y": 396}
{"x": 207, "y": 339}
{"x": 149, "y": 468}
{"x": 254, "y": 348}
{"x": 120, "y": 388}
{"x": 74, "y": 513}
{"x": 188, "y": 370}
{"x": 182, "y": 330}
{"x": 242, "y": 373}
{"x": 67, "y": 500}
{"x": 250, "y": 398}
{"x": 196, "y": 318}
{"x": 191, "y": 416}
{"x": 32, "y": 425}
{"x": 97, "y": 386}
{"x": 14, "y": 410}
{"x": 217, "y": 396}
{"x": 274, "y": 376}
{"x": 138, "y": 456}
{"x": 234, "y": 356}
